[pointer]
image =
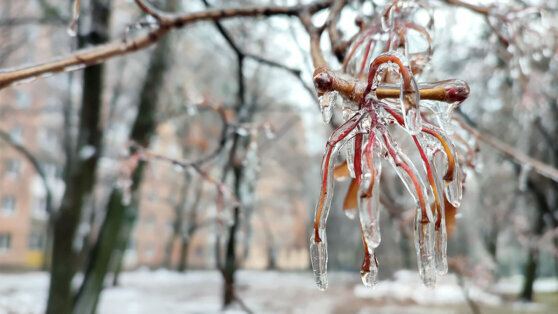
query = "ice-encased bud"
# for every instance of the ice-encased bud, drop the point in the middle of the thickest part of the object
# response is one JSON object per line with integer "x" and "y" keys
{"x": 327, "y": 103}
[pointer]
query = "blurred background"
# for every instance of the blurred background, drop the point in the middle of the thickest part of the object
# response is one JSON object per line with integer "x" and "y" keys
{"x": 114, "y": 231}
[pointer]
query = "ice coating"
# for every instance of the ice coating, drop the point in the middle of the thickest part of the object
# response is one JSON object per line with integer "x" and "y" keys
{"x": 318, "y": 257}
{"x": 327, "y": 103}
{"x": 369, "y": 197}
{"x": 318, "y": 244}
{"x": 425, "y": 241}
{"x": 72, "y": 27}
{"x": 369, "y": 269}
{"x": 350, "y": 154}
{"x": 392, "y": 98}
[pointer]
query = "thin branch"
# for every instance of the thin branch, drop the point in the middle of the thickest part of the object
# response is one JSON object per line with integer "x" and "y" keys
{"x": 98, "y": 54}
{"x": 516, "y": 156}
{"x": 36, "y": 165}
{"x": 472, "y": 7}
{"x": 337, "y": 46}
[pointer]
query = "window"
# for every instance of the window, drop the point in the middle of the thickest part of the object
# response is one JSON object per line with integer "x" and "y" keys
{"x": 16, "y": 134}
{"x": 5, "y": 242}
{"x": 8, "y": 205}
{"x": 13, "y": 168}
{"x": 36, "y": 241}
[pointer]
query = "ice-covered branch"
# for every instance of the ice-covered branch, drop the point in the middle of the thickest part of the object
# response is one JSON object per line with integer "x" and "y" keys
{"x": 166, "y": 22}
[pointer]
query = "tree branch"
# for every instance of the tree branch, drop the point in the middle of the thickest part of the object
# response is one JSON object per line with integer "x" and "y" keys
{"x": 36, "y": 165}
{"x": 98, "y": 54}
{"x": 516, "y": 156}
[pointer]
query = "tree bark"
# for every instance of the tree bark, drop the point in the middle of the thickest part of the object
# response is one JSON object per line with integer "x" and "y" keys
{"x": 530, "y": 270}
{"x": 118, "y": 224}
{"x": 80, "y": 172}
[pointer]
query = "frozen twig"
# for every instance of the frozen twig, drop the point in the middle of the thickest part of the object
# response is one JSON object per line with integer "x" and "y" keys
{"x": 98, "y": 54}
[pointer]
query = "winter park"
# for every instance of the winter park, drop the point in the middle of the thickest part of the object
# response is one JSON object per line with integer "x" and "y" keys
{"x": 278, "y": 156}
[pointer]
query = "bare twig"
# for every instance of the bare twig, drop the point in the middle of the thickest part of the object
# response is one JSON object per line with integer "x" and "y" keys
{"x": 98, "y": 54}
{"x": 515, "y": 155}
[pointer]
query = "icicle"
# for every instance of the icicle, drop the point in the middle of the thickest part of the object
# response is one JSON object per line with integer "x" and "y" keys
{"x": 437, "y": 159}
{"x": 318, "y": 246}
{"x": 369, "y": 203}
{"x": 369, "y": 269}
{"x": 327, "y": 102}
{"x": 410, "y": 106}
{"x": 72, "y": 28}
{"x": 425, "y": 242}
{"x": 350, "y": 154}
{"x": 318, "y": 242}
{"x": 318, "y": 257}
{"x": 454, "y": 188}
{"x": 350, "y": 213}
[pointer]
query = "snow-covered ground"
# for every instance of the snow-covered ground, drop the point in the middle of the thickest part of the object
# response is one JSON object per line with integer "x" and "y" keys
{"x": 164, "y": 291}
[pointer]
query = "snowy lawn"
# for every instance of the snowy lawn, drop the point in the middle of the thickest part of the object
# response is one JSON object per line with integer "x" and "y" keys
{"x": 164, "y": 291}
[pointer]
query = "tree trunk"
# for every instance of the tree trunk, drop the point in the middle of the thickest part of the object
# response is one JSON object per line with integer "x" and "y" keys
{"x": 79, "y": 173}
{"x": 230, "y": 262}
{"x": 178, "y": 221}
{"x": 185, "y": 245}
{"x": 530, "y": 271}
{"x": 120, "y": 217}
{"x": 230, "y": 256}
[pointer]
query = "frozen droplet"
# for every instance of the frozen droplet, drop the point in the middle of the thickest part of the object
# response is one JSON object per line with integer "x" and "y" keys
{"x": 350, "y": 155}
{"x": 454, "y": 188}
{"x": 24, "y": 81}
{"x": 369, "y": 270}
{"x": 413, "y": 121}
{"x": 318, "y": 258}
{"x": 327, "y": 102}
{"x": 350, "y": 213}
{"x": 410, "y": 100}
{"x": 87, "y": 152}
{"x": 425, "y": 242}
{"x": 74, "y": 67}
{"x": 72, "y": 28}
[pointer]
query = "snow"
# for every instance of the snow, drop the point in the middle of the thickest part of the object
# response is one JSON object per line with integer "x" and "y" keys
{"x": 407, "y": 286}
{"x": 163, "y": 291}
